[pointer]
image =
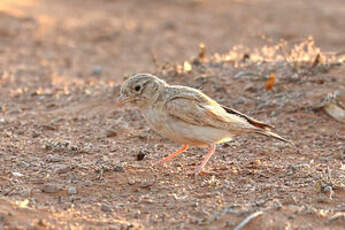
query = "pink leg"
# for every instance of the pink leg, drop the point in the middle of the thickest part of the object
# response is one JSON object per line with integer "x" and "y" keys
{"x": 168, "y": 158}
{"x": 211, "y": 150}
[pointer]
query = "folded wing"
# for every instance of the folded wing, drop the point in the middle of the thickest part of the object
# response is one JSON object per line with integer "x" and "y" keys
{"x": 200, "y": 110}
{"x": 203, "y": 111}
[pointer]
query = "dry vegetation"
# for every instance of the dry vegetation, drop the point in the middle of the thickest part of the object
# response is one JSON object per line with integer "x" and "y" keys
{"x": 71, "y": 160}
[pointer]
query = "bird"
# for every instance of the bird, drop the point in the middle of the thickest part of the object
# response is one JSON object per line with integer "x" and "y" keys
{"x": 187, "y": 116}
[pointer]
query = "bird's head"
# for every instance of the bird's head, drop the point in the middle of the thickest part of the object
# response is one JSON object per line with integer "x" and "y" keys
{"x": 140, "y": 90}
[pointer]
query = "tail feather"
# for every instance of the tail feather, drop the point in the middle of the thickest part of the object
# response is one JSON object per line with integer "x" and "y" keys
{"x": 269, "y": 133}
{"x": 257, "y": 126}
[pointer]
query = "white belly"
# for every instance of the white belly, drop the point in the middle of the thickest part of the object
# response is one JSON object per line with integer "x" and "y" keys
{"x": 185, "y": 133}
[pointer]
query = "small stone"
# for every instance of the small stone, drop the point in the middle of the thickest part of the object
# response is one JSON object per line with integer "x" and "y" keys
{"x": 118, "y": 168}
{"x": 50, "y": 188}
{"x": 141, "y": 155}
{"x": 229, "y": 223}
{"x": 72, "y": 190}
{"x": 50, "y": 127}
{"x": 97, "y": 70}
{"x": 226, "y": 145}
{"x": 148, "y": 184}
{"x": 105, "y": 208}
{"x": 61, "y": 168}
{"x": 74, "y": 148}
{"x": 35, "y": 134}
{"x": 136, "y": 213}
{"x": 251, "y": 88}
{"x": 131, "y": 182}
{"x": 110, "y": 133}
{"x": 17, "y": 174}
{"x": 42, "y": 223}
{"x": 105, "y": 159}
{"x": 273, "y": 113}
{"x": 196, "y": 62}
{"x": 195, "y": 204}
{"x": 53, "y": 158}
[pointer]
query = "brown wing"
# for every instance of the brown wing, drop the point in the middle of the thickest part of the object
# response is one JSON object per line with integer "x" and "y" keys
{"x": 251, "y": 120}
{"x": 202, "y": 111}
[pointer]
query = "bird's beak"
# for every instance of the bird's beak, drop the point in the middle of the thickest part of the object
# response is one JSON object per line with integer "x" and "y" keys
{"x": 122, "y": 100}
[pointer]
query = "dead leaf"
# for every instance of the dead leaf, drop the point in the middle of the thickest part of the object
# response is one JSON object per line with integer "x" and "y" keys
{"x": 187, "y": 67}
{"x": 23, "y": 204}
{"x": 334, "y": 105}
{"x": 335, "y": 112}
{"x": 271, "y": 80}
{"x": 316, "y": 60}
{"x": 202, "y": 51}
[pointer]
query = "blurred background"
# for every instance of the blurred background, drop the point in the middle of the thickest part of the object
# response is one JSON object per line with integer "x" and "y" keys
{"x": 114, "y": 37}
{"x": 76, "y": 161}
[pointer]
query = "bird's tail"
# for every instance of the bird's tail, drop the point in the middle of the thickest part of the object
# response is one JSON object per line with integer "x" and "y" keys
{"x": 269, "y": 133}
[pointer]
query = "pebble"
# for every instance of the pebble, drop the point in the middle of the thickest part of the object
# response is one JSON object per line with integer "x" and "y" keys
{"x": 97, "y": 70}
{"x": 141, "y": 155}
{"x": 229, "y": 224}
{"x": 195, "y": 204}
{"x": 148, "y": 184}
{"x": 17, "y": 174}
{"x": 35, "y": 134}
{"x": 273, "y": 113}
{"x": 131, "y": 182}
{"x": 53, "y": 158}
{"x": 105, "y": 208}
{"x": 72, "y": 190}
{"x": 251, "y": 88}
{"x": 50, "y": 188}
{"x": 110, "y": 133}
{"x": 118, "y": 168}
{"x": 61, "y": 168}
{"x": 42, "y": 223}
{"x": 136, "y": 213}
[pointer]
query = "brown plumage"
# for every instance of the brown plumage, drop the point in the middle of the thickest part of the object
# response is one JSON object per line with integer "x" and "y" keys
{"x": 187, "y": 116}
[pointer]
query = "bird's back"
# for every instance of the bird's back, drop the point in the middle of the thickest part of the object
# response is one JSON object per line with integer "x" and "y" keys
{"x": 195, "y": 107}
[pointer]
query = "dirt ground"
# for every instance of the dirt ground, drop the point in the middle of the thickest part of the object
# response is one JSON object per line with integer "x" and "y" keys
{"x": 70, "y": 159}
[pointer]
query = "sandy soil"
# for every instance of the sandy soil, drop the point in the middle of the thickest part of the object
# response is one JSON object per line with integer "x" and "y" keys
{"x": 70, "y": 159}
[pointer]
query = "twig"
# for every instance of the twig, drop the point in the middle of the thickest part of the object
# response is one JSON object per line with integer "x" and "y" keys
{"x": 336, "y": 216}
{"x": 247, "y": 219}
{"x": 316, "y": 60}
{"x": 248, "y": 74}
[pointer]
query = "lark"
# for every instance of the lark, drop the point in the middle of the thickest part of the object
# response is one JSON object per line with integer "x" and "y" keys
{"x": 187, "y": 116}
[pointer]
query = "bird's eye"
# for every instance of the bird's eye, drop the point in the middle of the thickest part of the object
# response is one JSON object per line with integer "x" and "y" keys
{"x": 137, "y": 88}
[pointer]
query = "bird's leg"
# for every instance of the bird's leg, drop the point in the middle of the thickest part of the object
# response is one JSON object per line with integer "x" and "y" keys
{"x": 166, "y": 159}
{"x": 211, "y": 150}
